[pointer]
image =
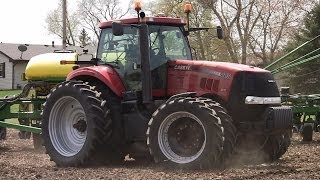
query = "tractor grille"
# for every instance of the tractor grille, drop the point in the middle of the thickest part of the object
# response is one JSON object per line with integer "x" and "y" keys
{"x": 253, "y": 84}
{"x": 262, "y": 85}
{"x": 250, "y": 84}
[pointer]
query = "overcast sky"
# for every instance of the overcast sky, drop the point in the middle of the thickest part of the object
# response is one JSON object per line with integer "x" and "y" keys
{"x": 23, "y": 21}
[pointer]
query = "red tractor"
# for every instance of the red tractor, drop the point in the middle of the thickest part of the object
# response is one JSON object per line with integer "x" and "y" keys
{"x": 144, "y": 96}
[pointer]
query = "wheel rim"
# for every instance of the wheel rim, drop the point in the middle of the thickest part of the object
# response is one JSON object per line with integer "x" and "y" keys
{"x": 182, "y": 137}
{"x": 67, "y": 126}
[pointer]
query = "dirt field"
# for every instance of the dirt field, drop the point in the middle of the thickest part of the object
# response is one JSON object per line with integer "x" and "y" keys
{"x": 18, "y": 160}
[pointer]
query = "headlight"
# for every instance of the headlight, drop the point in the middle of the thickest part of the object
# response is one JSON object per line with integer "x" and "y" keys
{"x": 262, "y": 100}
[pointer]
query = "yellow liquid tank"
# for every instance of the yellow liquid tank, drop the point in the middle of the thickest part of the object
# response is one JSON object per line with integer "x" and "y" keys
{"x": 47, "y": 66}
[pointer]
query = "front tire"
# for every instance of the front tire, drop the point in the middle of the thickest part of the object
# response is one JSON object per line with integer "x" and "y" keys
{"x": 285, "y": 142}
{"x": 73, "y": 123}
{"x": 185, "y": 133}
{"x": 262, "y": 148}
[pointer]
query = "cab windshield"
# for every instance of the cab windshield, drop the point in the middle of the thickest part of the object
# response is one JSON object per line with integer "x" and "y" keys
{"x": 165, "y": 41}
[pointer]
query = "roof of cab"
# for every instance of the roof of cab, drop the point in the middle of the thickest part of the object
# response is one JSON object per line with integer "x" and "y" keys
{"x": 149, "y": 20}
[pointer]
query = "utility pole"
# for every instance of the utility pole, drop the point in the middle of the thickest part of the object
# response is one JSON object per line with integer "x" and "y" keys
{"x": 64, "y": 25}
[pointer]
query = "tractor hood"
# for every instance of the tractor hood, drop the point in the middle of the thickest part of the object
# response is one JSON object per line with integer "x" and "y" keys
{"x": 224, "y": 79}
{"x": 225, "y": 68}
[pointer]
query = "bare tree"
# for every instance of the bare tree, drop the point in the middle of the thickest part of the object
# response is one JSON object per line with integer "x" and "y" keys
{"x": 204, "y": 44}
{"x": 256, "y": 27}
{"x": 92, "y": 12}
{"x": 54, "y": 25}
{"x": 237, "y": 18}
{"x": 277, "y": 22}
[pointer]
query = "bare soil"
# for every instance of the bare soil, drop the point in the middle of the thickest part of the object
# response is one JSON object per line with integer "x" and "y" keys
{"x": 19, "y": 160}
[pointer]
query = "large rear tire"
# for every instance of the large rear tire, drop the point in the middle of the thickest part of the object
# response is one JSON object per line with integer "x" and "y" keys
{"x": 73, "y": 124}
{"x": 185, "y": 133}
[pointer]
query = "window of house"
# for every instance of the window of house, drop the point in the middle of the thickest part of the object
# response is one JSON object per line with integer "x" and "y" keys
{"x": 2, "y": 70}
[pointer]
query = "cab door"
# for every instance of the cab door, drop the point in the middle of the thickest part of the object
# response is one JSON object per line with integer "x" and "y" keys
{"x": 122, "y": 53}
{"x": 167, "y": 43}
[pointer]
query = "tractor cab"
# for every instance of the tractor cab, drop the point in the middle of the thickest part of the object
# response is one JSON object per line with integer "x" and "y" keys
{"x": 167, "y": 42}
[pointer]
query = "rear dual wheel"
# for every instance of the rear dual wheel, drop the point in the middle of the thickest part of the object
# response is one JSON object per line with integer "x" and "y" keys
{"x": 230, "y": 131}
{"x": 185, "y": 133}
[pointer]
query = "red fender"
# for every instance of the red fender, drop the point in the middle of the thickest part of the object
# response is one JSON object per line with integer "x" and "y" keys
{"x": 104, "y": 73}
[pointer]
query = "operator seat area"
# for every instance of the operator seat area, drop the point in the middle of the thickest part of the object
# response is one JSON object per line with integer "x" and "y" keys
{"x": 158, "y": 63}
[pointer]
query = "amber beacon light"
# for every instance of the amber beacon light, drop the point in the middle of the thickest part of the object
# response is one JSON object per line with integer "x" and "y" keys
{"x": 187, "y": 8}
{"x": 137, "y": 6}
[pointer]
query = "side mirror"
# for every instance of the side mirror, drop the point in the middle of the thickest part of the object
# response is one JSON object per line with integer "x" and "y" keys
{"x": 219, "y": 32}
{"x": 117, "y": 28}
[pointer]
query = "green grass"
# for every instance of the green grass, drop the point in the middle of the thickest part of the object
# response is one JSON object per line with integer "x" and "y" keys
{"x": 14, "y": 121}
{"x": 4, "y": 93}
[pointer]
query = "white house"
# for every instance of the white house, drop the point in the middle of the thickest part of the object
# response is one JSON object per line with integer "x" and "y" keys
{"x": 14, "y": 61}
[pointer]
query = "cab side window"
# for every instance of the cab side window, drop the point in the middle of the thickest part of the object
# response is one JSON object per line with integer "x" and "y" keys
{"x": 122, "y": 52}
{"x": 174, "y": 44}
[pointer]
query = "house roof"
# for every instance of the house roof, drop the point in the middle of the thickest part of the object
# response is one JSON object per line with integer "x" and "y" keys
{"x": 12, "y": 51}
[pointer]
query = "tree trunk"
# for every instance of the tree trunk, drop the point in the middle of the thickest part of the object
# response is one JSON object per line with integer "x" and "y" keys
{"x": 201, "y": 47}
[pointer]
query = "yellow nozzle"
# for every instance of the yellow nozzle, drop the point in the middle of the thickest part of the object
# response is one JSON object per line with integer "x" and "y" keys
{"x": 64, "y": 62}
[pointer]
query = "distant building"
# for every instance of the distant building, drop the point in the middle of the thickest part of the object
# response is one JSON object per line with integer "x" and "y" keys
{"x": 14, "y": 61}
